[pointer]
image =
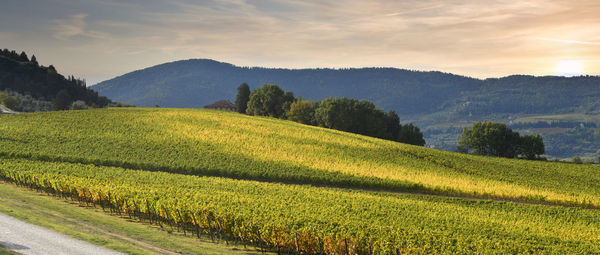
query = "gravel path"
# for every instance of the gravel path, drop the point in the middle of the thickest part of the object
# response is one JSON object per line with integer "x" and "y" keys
{"x": 25, "y": 238}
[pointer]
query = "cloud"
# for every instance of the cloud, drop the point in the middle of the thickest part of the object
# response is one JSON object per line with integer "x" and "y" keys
{"x": 72, "y": 26}
{"x": 478, "y": 38}
{"x": 568, "y": 41}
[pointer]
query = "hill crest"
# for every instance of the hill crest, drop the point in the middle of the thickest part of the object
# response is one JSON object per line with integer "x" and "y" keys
{"x": 439, "y": 103}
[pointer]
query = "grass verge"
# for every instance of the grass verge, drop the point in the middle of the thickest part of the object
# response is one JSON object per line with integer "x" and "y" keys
{"x": 4, "y": 251}
{"x": 97, "y": 227}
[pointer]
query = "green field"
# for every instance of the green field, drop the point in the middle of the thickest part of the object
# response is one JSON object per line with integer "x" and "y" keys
{"x": 244, "y": 171}
{"x": 560, "y": 117}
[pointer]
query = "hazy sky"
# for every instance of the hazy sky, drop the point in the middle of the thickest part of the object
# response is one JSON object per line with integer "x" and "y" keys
{"x": 100, "y": 39}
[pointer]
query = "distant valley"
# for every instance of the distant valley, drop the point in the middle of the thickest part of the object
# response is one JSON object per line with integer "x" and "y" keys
{"x": 566, "y": 111}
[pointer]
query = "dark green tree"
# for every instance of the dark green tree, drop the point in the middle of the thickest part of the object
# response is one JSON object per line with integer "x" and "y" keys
{"x": 23, "y": 57}
{"x": 302, "y": 111}
{"x": 242, "y": 98}
{"x": 62, "y": 101}
{"x": 338, "y": 113}
{"x": 491, "y": 139}
{"x": 532, "y": 146}
{"x": 362, "y": 117}
{"x": 465, "y": 141}
{"x": 393, "y": 125}
{"x": 288, "y": 99}
{"x": 34, "y": 60}
{"x": 411, "y": 134}
{"x": 266, "y": 101}
{"x": 51, "y": 69}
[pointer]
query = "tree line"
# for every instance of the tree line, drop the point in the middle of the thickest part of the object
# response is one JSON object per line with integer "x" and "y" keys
{"x": 22, "y": 75}
{"x": 345, "y": 114}
{"x": 495, "y": 139}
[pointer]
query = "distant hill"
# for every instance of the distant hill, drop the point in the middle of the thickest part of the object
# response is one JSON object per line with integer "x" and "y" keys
{"x": 19, "y": 74}
{"x": 440, "y": 103}
{"x": 198, "y": 82}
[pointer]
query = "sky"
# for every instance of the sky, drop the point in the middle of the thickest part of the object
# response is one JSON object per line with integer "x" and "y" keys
{"x": 101, "y": 39}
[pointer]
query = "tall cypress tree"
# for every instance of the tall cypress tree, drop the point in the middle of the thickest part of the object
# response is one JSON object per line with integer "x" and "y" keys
{"x": 34, "y": 60}
{"x": 242, "y": 98}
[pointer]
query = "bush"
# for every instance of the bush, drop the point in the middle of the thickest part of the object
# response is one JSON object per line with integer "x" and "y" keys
{"x": 79, "y": 105}
{"x": 9, "y": 101}
{"x": 26, "y": 103}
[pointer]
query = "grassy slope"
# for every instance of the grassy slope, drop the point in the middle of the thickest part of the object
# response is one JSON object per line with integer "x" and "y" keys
{"x": 95, "y": 226}
{"x": 415, "y": 223}
{"x": 4, "y": 251}
{"x": 234, "y": 145}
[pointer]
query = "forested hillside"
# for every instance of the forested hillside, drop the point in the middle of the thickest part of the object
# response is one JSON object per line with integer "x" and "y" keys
{"x": 198, "y": 82}
{"x": 440, "y": 103}
{"x": 19, "y": 74}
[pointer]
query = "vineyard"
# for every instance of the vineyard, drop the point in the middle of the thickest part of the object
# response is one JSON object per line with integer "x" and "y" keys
{"x": 291, "y": 187}
{"x": 317, "y": 220}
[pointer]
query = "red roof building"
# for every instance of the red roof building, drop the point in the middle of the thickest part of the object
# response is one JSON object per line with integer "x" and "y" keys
{"x": 223, "y": 105}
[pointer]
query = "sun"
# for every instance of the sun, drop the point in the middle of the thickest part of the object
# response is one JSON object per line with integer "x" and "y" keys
{"x": 569, "y": 68}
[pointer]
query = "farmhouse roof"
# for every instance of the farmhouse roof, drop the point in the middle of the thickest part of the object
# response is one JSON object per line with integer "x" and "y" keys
{"x": 221, "y": 104}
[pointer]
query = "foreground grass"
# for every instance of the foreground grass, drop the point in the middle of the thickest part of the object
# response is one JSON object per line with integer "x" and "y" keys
{"x": 214, "y": 143}
{"x": 97, "y": 227}
{"x": 4, "y": 251}
{"x": 308, "y": 217}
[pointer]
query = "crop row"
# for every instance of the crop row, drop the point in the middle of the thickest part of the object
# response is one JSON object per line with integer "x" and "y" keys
{"x": 211, "y": 143}
{"x": 318, "y": 220}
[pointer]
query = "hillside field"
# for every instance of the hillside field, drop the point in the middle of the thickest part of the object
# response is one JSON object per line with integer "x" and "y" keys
{"x": 290, "y": 186}
{"x": 428, "y": 99}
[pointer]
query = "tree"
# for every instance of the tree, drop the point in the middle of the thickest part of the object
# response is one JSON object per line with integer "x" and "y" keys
{"x": 51, "y": 69}
{"x": 393, "y": 125}
{"x": 266, "y": 101}
{"x": 302, "y": 111}
{"x": 338, "y": 113}
{"x": 242, "y": 98}
{"x": 362, "y": 117}
{"x": 532, "y": 146}
{"x": 465, "y": 141}
{"x": 411, "y": 134}
{"x": 34, "y": 60}
{"x": 495, "y": 139}
{"x": 62, "y": 100}
{"x": 23, "y": 57}
{"x": 288, "y": 99}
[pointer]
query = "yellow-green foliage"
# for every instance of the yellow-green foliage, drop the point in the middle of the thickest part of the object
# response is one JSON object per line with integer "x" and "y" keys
{"x": 216, "y": 143}
{"x": 330, "y": 220}
{"x": 8, "y": 101}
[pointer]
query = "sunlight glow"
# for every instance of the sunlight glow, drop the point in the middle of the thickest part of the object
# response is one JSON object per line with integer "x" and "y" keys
{"x": 569, "y": 68}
